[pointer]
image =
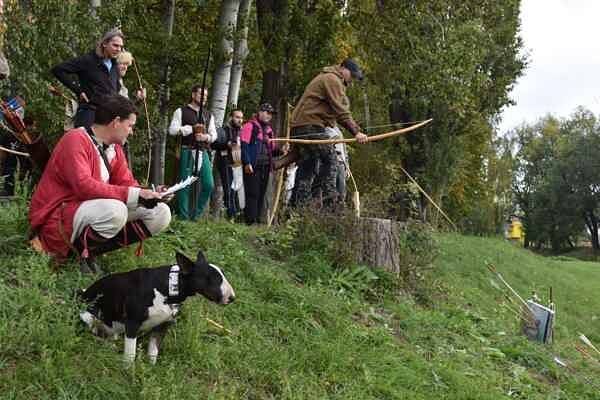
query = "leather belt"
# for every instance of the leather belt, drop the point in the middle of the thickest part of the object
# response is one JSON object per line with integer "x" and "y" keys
{"x": 307, "y": 130}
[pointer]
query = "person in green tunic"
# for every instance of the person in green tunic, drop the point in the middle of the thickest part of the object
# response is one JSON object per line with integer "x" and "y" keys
{"x": 194, "y": 129}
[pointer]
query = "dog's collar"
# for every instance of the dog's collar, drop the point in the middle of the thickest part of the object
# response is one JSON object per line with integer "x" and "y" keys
{"x": 174, "y": 281}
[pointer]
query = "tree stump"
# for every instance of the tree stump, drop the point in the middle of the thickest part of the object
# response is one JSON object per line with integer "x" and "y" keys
{"x": 379, "y": 245}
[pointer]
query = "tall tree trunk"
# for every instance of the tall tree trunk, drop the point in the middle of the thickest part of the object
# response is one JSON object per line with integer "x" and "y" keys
{"x": 25, "y": 6}
{"x": 160, "y": 133}
{"x": 94, "y": 6}
{"x": 277, "y": 95}
{"x": 275, "y": 91}
{"x": 273, "y": 28}
{"x": 220, "y": 85}
{"x": 592, "y": 224}
{"x": 240, "y": 54}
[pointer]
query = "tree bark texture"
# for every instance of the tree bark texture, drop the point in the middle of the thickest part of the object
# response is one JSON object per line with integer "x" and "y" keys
{"x": 222, "y": 76}
{"x": 94, "y": 6}
{"x": 160, "y": 134}
{"x": 592, "y": 225}
{"x": 379, "y": 247}
{"x": 221, "y": 83}
{"x": 273, "y": 26}
{"x": 240, "y": 53}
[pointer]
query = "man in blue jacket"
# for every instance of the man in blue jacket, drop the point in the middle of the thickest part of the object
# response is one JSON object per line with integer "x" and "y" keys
{"x": 257, "y": 158}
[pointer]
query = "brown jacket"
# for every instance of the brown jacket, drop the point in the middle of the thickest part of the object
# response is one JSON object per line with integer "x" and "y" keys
{"x": 324, "y": 102}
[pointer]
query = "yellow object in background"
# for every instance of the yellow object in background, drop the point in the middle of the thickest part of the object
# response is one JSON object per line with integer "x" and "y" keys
{"x": 515, "y": 229}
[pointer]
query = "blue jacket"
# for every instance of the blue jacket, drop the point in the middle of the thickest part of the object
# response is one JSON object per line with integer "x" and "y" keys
{"x": 251, "y": 137}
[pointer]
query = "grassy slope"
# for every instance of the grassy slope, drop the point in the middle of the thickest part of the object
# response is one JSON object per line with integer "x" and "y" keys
{"x": 295, "y": 336}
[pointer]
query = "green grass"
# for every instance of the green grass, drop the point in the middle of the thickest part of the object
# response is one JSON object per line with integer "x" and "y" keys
{"x": 299, "y": 330}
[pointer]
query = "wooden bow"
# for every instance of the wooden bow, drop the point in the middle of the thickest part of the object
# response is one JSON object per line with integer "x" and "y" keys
{"x": 282, "y": 174}
{"x": 13, "y": 123}
{"x": 15, "y": 152}
{"x": 373, "y": 138}
{"x": 141, "y": 88}
{"x": 57, "y": 92}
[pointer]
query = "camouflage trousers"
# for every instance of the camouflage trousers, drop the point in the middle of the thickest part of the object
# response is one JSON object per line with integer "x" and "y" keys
{"x": 317, "y": 162}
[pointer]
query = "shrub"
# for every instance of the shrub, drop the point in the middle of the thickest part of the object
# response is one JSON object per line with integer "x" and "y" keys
{"x": 326, "y": 246}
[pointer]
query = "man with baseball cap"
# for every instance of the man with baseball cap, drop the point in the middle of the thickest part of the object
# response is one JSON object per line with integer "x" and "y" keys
{"x": 323, "y": 104}
{"x": 257, "y": 159}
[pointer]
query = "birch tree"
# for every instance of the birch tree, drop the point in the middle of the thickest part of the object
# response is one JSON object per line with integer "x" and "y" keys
{"x": 220, "y": 85}
{"x": 240, "y": 53}
{"x": 94, "y": 6}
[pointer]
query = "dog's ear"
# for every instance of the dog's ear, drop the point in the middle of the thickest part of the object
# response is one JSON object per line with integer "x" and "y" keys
{"x": 184, "y": 263}
{"x": 200, "y": 258}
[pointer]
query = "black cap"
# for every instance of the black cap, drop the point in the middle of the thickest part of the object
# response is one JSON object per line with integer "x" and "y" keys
{"x": 266, "y": 107}
{"x": 353, "y": 67}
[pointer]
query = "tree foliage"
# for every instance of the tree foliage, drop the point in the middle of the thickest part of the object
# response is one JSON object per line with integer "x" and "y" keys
{"x": 452, "y": 61}
{"x": 557, "y": 179}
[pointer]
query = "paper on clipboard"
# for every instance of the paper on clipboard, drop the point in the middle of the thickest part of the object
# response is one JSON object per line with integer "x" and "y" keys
{"x": 180, "y": 185}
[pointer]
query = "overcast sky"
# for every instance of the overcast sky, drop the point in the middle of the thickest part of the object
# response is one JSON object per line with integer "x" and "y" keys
{"x": 562, "y": 38}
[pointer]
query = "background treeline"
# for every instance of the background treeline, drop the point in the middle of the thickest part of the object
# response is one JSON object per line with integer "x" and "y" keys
{"x": 556, "y": 182}
{"x": 453, "y": 61}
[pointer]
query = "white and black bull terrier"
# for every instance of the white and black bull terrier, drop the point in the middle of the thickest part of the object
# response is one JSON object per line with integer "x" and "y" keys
{"x": 147, "y": 299}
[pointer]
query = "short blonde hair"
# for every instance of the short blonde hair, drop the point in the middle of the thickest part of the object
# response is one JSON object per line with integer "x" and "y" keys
{"x": 125, "y": 57}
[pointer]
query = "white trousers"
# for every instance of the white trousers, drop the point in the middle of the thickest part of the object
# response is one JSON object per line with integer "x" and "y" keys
{"x": 107, "y": 217}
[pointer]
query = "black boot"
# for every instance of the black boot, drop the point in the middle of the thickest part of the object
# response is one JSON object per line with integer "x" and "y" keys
{"x": 86, "y": 245}
{"x": 89, "y": 266}
{"x": 90, "y": 244}
{"x": 132, "y": 232}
